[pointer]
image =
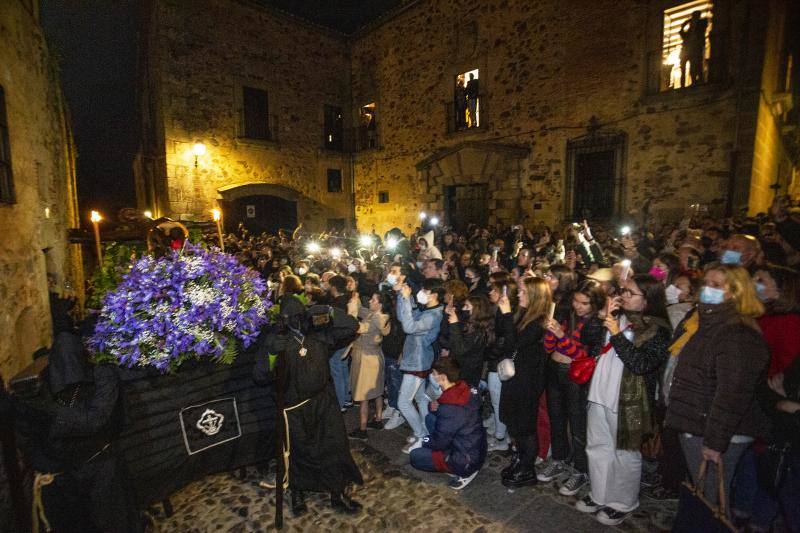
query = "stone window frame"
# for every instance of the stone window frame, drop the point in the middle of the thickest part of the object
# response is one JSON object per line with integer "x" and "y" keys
{"x": 328, "y": 180}
{"x": 7, "y": 191}
{"x": 718, "y": 75}
{"x": 597, "y": 141}
{"x": 362, "y": 102}
{"x": 325, "y": 145}
{"x": 272, "y": 104}
{"x": 459, "y": 67}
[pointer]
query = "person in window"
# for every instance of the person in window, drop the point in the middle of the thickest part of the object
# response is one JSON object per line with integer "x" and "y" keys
{"x": 456, "y": 441}
{"x": 460, "y": 103}
{"x": 624, "y": 381}
{"x": 472, "y": 92}
{"x": 693, "y": 43}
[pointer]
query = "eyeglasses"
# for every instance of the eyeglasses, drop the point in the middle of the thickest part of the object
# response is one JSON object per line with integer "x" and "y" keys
{"x": 628, "y": 293}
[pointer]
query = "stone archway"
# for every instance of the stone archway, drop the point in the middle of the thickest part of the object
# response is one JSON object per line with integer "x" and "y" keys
{"x": 475, "y": 183}
{"x": 260, "y": 207}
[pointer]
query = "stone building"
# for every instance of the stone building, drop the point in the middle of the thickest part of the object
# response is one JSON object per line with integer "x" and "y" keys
{"x": 491, "y": 111}
{"x": 37, "y": 186}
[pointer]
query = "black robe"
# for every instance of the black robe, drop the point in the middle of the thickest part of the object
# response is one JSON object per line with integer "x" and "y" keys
{"x": 319, "y": 457}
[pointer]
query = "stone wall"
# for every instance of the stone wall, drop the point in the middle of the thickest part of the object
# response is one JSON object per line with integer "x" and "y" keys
{"x": 545, "y": 70}
{"x": 205, "y": 51}
{"x": 35, "y": 227}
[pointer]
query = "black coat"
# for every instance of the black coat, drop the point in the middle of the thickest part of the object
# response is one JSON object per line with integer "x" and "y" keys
{"x": 519, "y": 396}
{"x": 466, "y": 348}
{"x": 320, "y": 457}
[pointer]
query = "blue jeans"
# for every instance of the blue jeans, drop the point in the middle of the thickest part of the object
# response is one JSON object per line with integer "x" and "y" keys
{"x": 413, "y": 388}
{"x": 392, "y": 377}
{"x": 340, "y": 374}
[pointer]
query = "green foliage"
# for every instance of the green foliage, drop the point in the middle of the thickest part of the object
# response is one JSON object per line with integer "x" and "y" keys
{"x": 117, "y": 261}
{"x": 229, "y": 353}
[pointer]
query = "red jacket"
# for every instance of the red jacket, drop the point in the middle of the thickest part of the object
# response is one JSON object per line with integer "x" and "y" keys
{"x": 782, "y": 333}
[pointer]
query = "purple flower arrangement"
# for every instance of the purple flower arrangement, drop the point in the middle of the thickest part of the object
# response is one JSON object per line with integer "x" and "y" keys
{"x": 198, "y": 304}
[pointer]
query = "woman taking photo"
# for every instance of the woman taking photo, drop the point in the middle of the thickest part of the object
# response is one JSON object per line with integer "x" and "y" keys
{"x": 712, "y": 400}
{"x": 566, "y": 400}
{"x": 519, "y": 396}
{"x": 619, "y": 414}
{"x": 366, "y": 368}
{"x": 470, "y": 329}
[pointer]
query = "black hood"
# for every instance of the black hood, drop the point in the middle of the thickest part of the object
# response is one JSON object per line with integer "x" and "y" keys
{"x": 67, "y": 365}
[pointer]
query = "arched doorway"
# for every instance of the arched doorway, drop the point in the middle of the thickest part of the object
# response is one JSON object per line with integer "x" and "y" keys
{"x": 259, "y": 207}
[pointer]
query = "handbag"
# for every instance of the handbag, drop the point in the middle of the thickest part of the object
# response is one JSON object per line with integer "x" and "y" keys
{"x": 581, "y": 369}
{"x": 696, "y": 513}
{"x": 506, "y": 368}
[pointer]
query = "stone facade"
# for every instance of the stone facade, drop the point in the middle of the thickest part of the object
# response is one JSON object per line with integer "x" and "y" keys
{"x": 199, "y": 57}
{"x": 555, "y": 84}
{"x": 34, "y": 241}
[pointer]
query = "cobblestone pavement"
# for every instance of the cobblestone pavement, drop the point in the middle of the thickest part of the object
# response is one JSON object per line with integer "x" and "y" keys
{"x": 396, "y": 498}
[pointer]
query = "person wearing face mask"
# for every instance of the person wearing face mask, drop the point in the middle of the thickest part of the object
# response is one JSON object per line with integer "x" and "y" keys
{"x": 778, "y": 288}
{"x": 624, "y": 381}
{"x": 427, "y": 248}
{"x": 474, "y": 278}
{"x": 680, "y": 298}
{"x": 467, "y": 331}
{"x": 742, "y": 250}
{"x": 422, "y": 328}
{"x": 664, "y": 268}
{"x": 456, "y": 442}
{"x": 712, "y": 397}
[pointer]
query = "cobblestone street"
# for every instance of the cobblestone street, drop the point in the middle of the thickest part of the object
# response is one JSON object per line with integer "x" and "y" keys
{"x": 396, "y": 498}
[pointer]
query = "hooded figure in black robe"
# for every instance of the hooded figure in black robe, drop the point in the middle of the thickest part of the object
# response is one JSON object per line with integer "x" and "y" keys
{"x": 66, "y": 438}
{"x": 319, "y": 459}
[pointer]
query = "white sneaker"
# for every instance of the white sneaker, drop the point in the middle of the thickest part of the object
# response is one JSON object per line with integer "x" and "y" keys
{"x": 460, "y": 482}
{"x": 388, "y": 412}
{"x": 410, "y": 439}
{"x": 413, "y": 445}
{"x": 395, "y": 421}
{"x": 498, "y": 445}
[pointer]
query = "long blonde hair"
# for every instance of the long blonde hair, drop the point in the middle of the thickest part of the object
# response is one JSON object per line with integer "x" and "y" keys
{"x": 742, "y": 290}
{"x": 539, "y": 300}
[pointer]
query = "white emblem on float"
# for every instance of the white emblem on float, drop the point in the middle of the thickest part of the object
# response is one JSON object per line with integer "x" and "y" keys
{"x": 210, "y": 422}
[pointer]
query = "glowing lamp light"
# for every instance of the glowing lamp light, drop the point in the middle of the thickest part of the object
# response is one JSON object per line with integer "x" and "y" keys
{"x": 313, "y": 248}
{"x": 336, "y": 253}
{"x": 422, "y": 215}
{"x": 148, "y": 214}
{"x": 95, "y": 217}
{"x": 391, "y": 243}
{"x": 626, "y": 268}
{"x": 365, "y": 240}
{"x": 216, "y": 215}
{"x": 198, "y": 149}
{"x": 625, "y": 230}
{"x": 434, "y": 221}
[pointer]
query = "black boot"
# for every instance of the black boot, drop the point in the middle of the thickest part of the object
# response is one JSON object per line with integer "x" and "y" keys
{"x": 512, "y": 466}
{"x": 299, "y": 506}
{"x": 342, "y": 503}
{"x": 522, "y": 476}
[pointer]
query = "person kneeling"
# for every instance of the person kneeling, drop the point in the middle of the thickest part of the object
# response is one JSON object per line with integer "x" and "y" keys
{"x": 456, "y": 443}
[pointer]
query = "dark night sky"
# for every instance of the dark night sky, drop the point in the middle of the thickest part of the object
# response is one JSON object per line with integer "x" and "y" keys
{"x": 95, "y": 44}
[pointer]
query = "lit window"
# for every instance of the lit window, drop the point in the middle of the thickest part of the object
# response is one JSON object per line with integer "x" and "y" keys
{"x": 686, "y": 47}
{"x": 383, "y": 197}
{"x": 6, "y": 178}
{"x": 466, "y": 100}
{"x": 334, "y": 180}
{"x": 333, "y": 127}
{"x": 367, "y": 127}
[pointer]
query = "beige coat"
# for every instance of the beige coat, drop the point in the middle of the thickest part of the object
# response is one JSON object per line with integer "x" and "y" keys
{"x": 366, "y": 368}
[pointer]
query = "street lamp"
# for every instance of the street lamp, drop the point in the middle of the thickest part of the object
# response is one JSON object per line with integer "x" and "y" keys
{"x": 422, "y": 215}
{"x": 198, "y": 149}
{"x": 95, "y": 217}
{"x": 434, "y": 221}
{"x": 148, "y": 214}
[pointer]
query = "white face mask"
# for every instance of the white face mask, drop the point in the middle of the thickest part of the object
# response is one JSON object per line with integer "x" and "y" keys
{"x": 302, "y": 271}
{"x": 351, "y": 268}
{"x": 422, "y": 297}
{"x": 673, "y": 294}
{"x": 391, "y": 279}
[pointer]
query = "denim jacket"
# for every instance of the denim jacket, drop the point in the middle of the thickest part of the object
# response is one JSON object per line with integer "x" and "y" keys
{"x": 422, "y": 329}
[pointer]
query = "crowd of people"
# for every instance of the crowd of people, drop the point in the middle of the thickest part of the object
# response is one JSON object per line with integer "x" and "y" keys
{"x": 610, "y": 361}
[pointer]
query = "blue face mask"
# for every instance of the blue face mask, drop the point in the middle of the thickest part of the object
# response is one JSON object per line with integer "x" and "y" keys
{"x": 730, "y": 257}
{"x": 710, "y": 295}
{"x": 761, "y": 289}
